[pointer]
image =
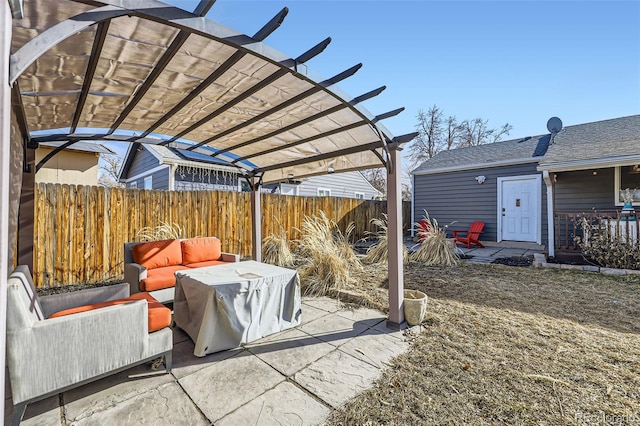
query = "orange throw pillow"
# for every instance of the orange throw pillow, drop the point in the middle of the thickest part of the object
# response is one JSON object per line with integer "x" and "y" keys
{"x": 201, "y": 249}
{"x": 157, "y": 254}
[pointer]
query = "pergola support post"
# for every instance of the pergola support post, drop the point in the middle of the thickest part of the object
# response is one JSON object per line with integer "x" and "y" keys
{"x": 256, "y": 219}
{"x": 394, "y": 229}
{"x": 551, "y": 238}
{"x": 26, "y": 217}
{"x": 5, "y": 184}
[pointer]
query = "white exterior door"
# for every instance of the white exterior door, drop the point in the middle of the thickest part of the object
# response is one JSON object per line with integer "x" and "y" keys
{"x": 520, "y": 210}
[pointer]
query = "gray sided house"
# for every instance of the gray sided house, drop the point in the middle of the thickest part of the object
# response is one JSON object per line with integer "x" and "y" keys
{"x": 160, "y": 168}
{"x": 497, "y": 183}
{"x": 533, "y": 189}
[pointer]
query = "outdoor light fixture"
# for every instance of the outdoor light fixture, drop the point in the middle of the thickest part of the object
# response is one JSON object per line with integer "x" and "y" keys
{"x": 331, "y": 170}
{"x": 481, "y": 179}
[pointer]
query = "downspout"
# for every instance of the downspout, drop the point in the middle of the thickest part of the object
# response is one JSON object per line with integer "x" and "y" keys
{"x": 172, "y": 177}
{"x": 551, "y": 239}
{"x": 7, "y": 169}
{"x": 413, "y": 197}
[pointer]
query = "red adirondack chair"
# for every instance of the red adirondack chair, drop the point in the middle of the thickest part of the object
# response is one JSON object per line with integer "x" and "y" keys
{"x": 423, "y": 229}
{"x": 472, "y": 235}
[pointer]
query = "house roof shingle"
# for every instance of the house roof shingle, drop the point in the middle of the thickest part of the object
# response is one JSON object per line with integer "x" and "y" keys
{"x": 169, "y": 156}
{"x": 79, "y": 146}
{"x": 580, "y": 146}
{"x": 600, "y": 140}
{"x": 515, "y": 150}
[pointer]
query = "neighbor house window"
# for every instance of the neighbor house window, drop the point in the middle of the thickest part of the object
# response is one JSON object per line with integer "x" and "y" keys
{"x": 148, "y": 182}
{"x": 627, "y": 177}
{"x": 360, "y": 195}
{"x": 243, "y": 185}
{"x": 287, "y": 189}
{"x": 324, "y": 192}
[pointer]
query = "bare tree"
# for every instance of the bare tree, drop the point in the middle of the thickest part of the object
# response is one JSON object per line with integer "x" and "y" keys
{"x": 108, "y": 171}
{"x": 429, "y": 139}
{"x": 452, "y": 132}
{"x": 477, "y": 132}
{"x": 436, "y": 134}
{"x": 406, "y": 183}
{"x": 377, "y": 178}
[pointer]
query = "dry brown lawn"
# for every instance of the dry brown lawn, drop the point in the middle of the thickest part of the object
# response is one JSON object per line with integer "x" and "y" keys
{"x": 508, "y": 345}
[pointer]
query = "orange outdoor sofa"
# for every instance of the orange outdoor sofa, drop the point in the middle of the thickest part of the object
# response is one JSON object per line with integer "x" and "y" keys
{"x": 151, "y": 266}
{"x": 61, "y": 341}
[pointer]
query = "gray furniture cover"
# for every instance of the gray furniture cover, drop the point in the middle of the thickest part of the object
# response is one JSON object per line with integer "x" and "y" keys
{"x": 49, "y": 356}
{"x": 224, "y": 306}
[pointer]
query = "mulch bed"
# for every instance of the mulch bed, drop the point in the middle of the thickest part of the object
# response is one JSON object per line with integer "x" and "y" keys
{"x": 521, "y": 261}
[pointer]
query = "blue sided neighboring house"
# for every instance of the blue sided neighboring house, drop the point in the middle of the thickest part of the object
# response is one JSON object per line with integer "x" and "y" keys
{"x": 161, "y": 168}
{"x": 158, "y": 167}
{"x": 533, "y": 190}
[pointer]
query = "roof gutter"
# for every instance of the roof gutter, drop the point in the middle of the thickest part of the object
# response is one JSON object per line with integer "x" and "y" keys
{"x": 199, "y": 165}
{"x": 476, "y": 166}
{"x": 595, "y": 163}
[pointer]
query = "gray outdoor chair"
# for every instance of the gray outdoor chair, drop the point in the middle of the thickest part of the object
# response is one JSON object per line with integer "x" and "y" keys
{"x": 46, "y": 356}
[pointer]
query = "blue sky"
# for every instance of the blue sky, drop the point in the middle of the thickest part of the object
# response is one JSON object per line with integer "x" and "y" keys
{"x": 520, "y": 62}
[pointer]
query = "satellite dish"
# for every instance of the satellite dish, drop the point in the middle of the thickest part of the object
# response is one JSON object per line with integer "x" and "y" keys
{"x": 554, "y": 125}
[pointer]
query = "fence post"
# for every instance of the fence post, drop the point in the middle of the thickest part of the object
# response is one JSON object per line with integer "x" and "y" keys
{"x": 256, "y": 220}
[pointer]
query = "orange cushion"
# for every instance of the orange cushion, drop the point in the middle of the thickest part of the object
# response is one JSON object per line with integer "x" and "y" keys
{"x": 207, "y": 263}
{"x": 156, "y": 254}
{"x": 159, "y": 316}
{"x": 160, "y": 278}
{"x": 201, "y": 249}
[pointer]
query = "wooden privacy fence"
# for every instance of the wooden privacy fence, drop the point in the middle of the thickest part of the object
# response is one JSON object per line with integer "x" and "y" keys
{"x": 79, "y": 231}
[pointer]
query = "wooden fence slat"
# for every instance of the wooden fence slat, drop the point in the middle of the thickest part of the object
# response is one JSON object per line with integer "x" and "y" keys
{"x": 79, "y": 231}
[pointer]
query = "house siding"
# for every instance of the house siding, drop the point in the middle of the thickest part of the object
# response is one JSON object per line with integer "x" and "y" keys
{"x": 341, "y": 185}
{"x": 142, "y": 162}
{"x": 457, "y": 196}
{"x": 582, "y": 191}
{"x": 68, "y": 167}
{"x": 159, "y": 181}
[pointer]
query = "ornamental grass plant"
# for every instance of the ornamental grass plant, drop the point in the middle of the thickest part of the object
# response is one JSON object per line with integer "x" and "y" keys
{"x": 276, "y": 250}
{"x": 330, "y": 258}
{"x": 164, "y": 231}
{"x": 435, "y": 248}
{"x": 379, "y": 252}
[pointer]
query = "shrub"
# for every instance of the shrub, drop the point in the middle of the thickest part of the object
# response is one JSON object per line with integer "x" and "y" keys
{"x": 610, "y": 251}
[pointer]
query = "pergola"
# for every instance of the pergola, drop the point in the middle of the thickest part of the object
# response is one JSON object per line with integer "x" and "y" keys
{"x": 144, "y": 72}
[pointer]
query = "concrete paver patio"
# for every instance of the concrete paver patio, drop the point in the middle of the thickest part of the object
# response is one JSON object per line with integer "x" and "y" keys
{"x": 297, "y": 376}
